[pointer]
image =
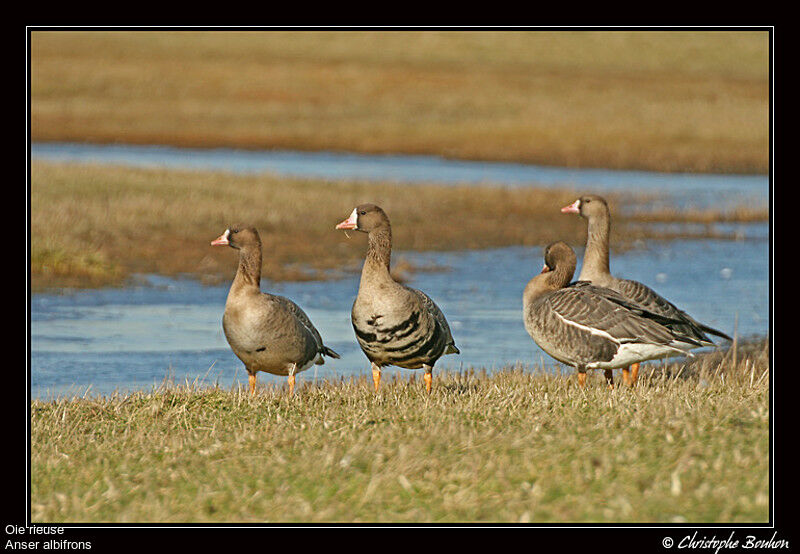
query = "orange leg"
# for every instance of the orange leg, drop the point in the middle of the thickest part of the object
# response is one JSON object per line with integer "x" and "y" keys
{"x": 609, "y": 378}
{"x": 376, "y": 377}
{"x": 291, "y": 384}
{"x": 251, "y": 379}
{"x": 626, "y": 375}
{"x": 582, "y": 378}
{"x": 634, "y": 373}
{"x": 428, "y": 378}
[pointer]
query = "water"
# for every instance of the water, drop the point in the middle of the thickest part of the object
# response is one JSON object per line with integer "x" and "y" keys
{"x": 670, "y": 189}
{"x": 131, "y": 338}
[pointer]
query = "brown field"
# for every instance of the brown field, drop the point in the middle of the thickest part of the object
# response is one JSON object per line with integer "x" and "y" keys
{"x": 97, "y": 225}
{"x": 672, "y": 101}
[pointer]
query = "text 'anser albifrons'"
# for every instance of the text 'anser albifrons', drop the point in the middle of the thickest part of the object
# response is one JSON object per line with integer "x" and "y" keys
{"x": 394, "y": 324}
{"x": 267, "y": 332}
{"x": 595, "y": 269}
{"x": 591, "y": 327}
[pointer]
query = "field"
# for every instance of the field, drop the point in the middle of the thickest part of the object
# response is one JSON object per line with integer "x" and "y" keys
{"x": 97, "y": 225}
{"x": 669, "y": 101}
{"x": 689, "y": 444}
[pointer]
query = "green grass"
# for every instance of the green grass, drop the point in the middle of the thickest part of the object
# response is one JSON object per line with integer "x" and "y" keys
{"x": 669, "y": 101}
{"x": 690, "y": 443}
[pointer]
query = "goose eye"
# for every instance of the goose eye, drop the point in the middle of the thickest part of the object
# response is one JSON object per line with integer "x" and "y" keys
{"x": 362, "y": 212}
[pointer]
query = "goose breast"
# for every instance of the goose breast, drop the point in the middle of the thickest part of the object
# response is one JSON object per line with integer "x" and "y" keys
{"x": 267, "y": 336}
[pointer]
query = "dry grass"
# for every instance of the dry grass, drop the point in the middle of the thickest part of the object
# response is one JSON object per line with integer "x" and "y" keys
{"x": 96, "y": 225}
{"x": 689, "y": 444}
{"x": 673, "y": 101}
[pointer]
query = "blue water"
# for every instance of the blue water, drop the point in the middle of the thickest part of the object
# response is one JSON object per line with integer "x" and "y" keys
{"x": 670, "y": 189}
{"x": 132, "y": 338}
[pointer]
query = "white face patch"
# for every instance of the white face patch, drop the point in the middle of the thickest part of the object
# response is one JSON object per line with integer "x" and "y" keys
{"x": 351, "y": 222}
{"x": 222, "y": 239}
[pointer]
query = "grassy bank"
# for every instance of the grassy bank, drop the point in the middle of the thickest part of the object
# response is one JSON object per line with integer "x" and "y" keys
{"x": 690, "y": 443}
{"x": 673, "y": 101}
{"x": 96, "y": 225}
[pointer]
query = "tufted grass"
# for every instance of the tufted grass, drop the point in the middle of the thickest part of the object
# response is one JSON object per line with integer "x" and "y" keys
{"x": 689, "y": 444}
{"x": 97, "y": 225}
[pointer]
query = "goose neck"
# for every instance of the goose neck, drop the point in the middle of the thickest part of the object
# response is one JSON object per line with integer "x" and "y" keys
{"x": 595, "y": 259}
{"x": 379, "y": 254}
{"x": 248, "y": 274}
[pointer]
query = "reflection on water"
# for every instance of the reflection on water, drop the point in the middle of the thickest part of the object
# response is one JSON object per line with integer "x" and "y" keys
{"x": 681, "y": 189}
{"x": 132, "y": 338}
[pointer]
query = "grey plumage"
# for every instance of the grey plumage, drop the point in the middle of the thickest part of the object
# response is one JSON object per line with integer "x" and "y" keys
{"x": 648, "y": 298}
{"x": 590, "y": 327}
{"x": 596, "y": 270}
{"x": 306, "y": 321}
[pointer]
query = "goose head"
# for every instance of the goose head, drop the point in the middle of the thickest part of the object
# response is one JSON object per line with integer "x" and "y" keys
{"x": 365, "y": 218}
{"x": 240, "y": 237}
{"x": 560, "y": 257}
{"x": 588, "y": 206}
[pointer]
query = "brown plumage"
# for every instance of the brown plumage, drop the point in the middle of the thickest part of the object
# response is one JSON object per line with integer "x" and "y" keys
{"x": 394, "y": 324}
{"x": 595, "y": 269}
{"x": 267, "y": 332}
{"x": 591, "y": 327}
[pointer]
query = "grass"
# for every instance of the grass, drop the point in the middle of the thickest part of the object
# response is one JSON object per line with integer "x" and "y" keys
{"x": 689, "y": 444}
{"x": 668, "y": 100}
{"x": 97, "y": 225}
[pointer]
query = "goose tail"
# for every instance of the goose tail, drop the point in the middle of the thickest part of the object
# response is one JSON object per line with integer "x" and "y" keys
{"x": 330, "y": 353}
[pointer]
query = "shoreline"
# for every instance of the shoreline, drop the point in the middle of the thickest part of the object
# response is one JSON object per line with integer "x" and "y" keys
{"x": 95, "y": 225}
{"x": 688, "y": 101}
{"x": 278, "y": 147}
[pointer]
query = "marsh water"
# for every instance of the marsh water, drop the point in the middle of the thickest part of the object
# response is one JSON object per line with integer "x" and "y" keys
{"x": 668, "y": 189}
{"x": 101, "y": 341}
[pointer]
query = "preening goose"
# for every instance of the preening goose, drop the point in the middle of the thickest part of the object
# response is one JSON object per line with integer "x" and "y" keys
{"x": 595, "y": 269}
{"x": 394, "y": 324}
{"x": 267, "y": 332}
{"x": 591, "y": 327}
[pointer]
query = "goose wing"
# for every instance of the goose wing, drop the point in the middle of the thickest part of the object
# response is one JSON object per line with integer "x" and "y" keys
{"x": 301, "y": 316}
{"x": 603, "y": 312}
{"x": 441, "y": 322}
{"x": 649, "y": 299}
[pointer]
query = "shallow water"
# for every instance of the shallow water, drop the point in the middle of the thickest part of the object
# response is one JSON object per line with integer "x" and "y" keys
{"x": 670, "y": 189}
{"x": 131, "y": 338}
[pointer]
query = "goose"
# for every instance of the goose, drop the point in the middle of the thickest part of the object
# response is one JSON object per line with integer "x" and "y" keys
{"x": 266, "y": 332}
{"x": 591, "y": 327}
{"x": 394, "y": 324}
{"x": 595, "y": 269}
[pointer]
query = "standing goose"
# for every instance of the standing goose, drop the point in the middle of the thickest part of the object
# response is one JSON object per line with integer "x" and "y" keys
{"x": 595, "y": 269}
{"x": 267, "y": 332}
{"x": 591, "y": 327}
{"x": 394, "y": 324}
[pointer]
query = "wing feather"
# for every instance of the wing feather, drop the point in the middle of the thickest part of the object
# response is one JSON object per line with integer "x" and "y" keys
{"x": 441, "y": 321}
{"x": 649, "y": 299}
{"x": 298, "y": 312}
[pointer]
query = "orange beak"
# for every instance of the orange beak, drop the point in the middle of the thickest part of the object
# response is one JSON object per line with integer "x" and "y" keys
{"x": 349, "y": 223}
{"x": 574, "y": 208}
{"x": 545, "y": 269}
{"x": 221, "y": 240}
